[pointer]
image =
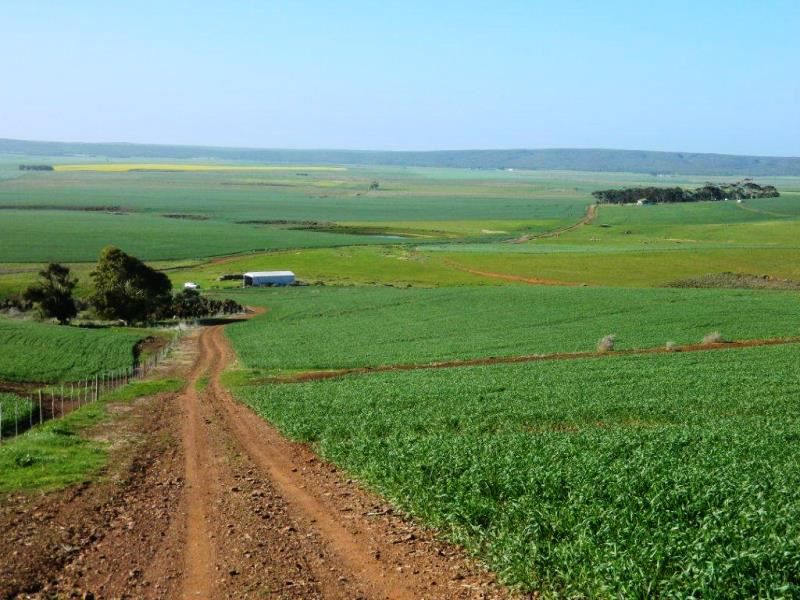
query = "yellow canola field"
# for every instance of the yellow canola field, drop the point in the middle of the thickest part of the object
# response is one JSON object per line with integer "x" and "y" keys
{"x": 125, "y": 167}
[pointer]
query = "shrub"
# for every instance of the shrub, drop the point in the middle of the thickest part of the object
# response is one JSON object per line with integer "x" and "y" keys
{"x": 606, "y": 344}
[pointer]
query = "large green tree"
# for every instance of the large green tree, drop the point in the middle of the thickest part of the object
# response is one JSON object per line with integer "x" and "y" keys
{"x": 51, "y": 296}
{"x": 125, "y": 288}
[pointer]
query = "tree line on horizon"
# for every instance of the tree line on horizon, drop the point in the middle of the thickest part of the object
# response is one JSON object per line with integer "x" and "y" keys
{"x": 740, "y": 190}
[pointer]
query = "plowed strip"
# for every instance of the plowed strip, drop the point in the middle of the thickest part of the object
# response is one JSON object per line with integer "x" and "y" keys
{"x": 499, "y": 360}
{"x": 508, "y": 277}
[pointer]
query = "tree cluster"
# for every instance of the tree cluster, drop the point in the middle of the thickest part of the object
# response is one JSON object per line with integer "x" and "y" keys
{"x": 189, "y": 304}
{"x": 739, "y": 190}
{"x": 125, "y": 289}
{"x": 36, "y": 168}
{"x": 51, "y": 297}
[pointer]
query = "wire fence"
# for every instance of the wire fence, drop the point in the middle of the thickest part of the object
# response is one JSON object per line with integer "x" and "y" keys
{"x": 21, "y": 411}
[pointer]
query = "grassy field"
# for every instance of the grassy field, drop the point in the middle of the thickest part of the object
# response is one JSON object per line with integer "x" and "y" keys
{"x": 629, "y": 268}
{"x": 16, "y": 412}
{"x": 660, "y": 476}
{"x": 39, "y": 352}
{"x": 76, "y": 236}
{"x": 348, "y": 327}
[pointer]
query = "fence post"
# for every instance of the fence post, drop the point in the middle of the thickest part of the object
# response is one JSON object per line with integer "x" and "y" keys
{"x": 16, "y": 416}
{"x": 62, "y": 400}
{"x": 52, "y": 404}
{"x": 41, "y": 417}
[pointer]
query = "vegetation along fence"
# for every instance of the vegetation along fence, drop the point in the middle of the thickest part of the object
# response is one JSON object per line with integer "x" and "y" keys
{"x": 20, "y": 411}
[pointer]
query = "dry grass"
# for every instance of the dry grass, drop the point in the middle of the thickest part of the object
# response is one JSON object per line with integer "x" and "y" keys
{"x": 715, "y": 337}
{"x": 606, "y": 344}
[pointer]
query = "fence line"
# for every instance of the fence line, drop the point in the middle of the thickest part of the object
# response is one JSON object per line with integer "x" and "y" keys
{"x": 80, "y": 393}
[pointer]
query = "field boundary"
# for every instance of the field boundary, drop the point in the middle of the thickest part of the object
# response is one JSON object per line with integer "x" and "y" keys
{"x": 508, "y": 276}
{"x": 502, "y": 360}
{"x": 49, "y": 401}
{"x": 589, "y": 216}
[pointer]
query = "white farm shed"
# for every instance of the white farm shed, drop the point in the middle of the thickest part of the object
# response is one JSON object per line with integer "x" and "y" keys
{"x": 267, "y": 278}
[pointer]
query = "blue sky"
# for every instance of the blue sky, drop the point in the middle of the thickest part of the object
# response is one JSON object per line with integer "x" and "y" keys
{"x": 705, "y": 76}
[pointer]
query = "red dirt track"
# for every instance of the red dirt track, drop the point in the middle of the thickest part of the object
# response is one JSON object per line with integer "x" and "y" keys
{"x": 204, "y": 499}
{"x": 500, "y": 360}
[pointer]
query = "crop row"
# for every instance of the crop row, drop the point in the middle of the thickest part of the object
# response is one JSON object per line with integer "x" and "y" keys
{"x": 662, "y": 475}
{"x": 16, "y": 413}
{"x": 39, "y": 352}
{"x": 352, "y": 327}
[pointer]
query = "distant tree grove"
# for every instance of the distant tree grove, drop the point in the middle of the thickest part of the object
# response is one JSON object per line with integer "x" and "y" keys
{"x": 36, "y": 168}
{"x": 709, "y": 192}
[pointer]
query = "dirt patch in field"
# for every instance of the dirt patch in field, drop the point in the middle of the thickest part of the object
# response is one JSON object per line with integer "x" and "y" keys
{"x": 742, "y": 281}
{"x": 283, "y": 222}
{"x": 101, "y": 535}
{"x": 149, "y": 345}
{"x": 105, "y": 209}
{"x": 187, "y": 216}
{"x": 19, "y": 387}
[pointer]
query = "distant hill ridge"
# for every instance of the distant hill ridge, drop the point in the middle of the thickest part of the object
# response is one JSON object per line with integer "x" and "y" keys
{"x": 632, "y": 161}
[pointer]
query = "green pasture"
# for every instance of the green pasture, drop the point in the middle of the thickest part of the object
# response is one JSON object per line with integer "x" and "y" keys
{"x": 320, "y": 328}
{"x": 649, "y": 268}
{"x": 395, "y": 265}
{"x": 42, "y": 352}
{"x": 77, "y": 236}
{"x": 317, "y": 196}
{"x": 672, "y": 475}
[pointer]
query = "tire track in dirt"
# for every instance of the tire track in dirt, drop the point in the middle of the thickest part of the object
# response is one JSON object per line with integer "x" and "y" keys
{"x": 260, "y": 444}
{"x": 383, "y": 557}
{"x": 198, "y": 552}
{"x": 508, "y": 277}
{"x": 502, "y": 360}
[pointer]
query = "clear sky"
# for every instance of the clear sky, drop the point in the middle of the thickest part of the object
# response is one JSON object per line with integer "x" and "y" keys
{"x": 701, "y": 75}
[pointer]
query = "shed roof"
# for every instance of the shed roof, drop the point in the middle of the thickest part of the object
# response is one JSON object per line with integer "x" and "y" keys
{"x": 269, "y": 274}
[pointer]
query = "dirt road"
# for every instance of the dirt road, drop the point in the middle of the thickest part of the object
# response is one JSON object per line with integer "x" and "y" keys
{"x": 225, "y": 507}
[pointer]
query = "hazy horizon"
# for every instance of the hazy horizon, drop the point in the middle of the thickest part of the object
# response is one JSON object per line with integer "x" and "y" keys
{"x": 713, "y": 78}
{"x": 409, "y": 150}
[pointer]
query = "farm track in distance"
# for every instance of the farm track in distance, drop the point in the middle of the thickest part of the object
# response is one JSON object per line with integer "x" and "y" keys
{"x": 502, "y": 360}
{"x": 589, "y": 216}
{"x": 226, "y": 507}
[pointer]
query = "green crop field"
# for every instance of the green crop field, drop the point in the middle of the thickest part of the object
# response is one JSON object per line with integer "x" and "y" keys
{"x": 655, "y": 475}
{"x": 39, "y": 352}
{"x": 334, "y": 327}
{"x": 659, "y": 476}
{"x": 16, "y": 412}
